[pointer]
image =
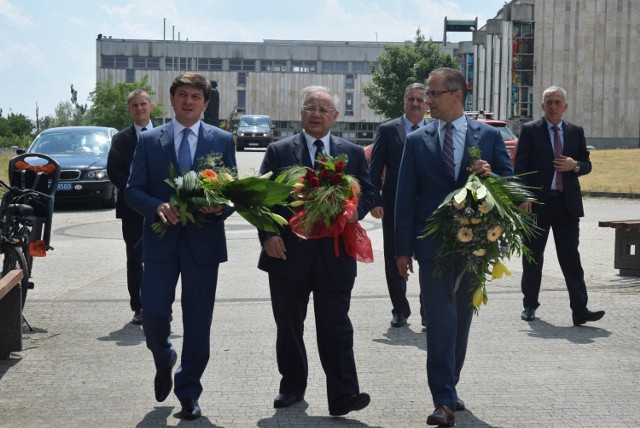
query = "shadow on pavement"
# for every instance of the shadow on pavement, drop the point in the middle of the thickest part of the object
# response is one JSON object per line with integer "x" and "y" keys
{"x": 405, "y": 337}
{"x": 296, "y": 416}
{"x": 128, "y": 335}
{"x": 580, "y": 335}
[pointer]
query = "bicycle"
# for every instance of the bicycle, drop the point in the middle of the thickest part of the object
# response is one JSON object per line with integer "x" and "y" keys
{"x": 26, "y": 210}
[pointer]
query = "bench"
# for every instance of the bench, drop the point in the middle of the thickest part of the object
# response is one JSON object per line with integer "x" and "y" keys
{"x": 10, "y": 313}
{"x": 627, "y": 246}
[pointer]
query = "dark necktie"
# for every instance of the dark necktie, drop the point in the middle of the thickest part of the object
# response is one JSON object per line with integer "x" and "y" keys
{"x": 557, "y": 150}
{"x": 184, "y": 152}
{"x": 319, "y": 151}
{"x": 414, "y": 127}
{"x": 143, "y": 129}
{"x": 447, "y": 150}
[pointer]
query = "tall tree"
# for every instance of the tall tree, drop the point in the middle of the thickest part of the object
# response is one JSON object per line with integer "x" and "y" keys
{"x": 399, "y": 67}
{"x": 110, "y": 103}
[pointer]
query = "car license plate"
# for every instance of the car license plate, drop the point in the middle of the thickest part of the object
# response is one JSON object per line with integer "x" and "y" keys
{"x": 64, "y": 186}
{"x": 253, "y": 144}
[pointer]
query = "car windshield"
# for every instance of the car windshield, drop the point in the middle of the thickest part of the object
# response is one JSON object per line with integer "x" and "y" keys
{"x": 506, "y": 133}
{"x": 76, "y": 142}
{"x": 254, "y": 121}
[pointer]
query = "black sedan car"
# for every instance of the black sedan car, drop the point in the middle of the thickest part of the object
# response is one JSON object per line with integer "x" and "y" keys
{"x": 81, "y": 152}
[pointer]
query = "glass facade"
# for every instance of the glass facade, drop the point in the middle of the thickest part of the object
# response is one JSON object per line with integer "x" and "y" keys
{"x": 522, "y": 70}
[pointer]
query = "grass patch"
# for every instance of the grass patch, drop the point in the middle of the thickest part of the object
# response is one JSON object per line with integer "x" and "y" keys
{"x": 615, "y": 171}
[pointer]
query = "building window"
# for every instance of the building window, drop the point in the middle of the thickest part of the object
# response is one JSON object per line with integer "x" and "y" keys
{"x": 122, "y": 62}
{"x": 206, "y": 64}
{"x": 338, "y": 67}
{"x": 242, "y": 101}
{"x": 349, "y": 81}
{"x": 360, "y": 67}
{"x": 242, "y": 78}
{"x": 131, "y": 75}
{"x": 176, "y": 63}
{"x": 113, "y": 61}
{"x": 242, "y": 64}
{"x": 148, "y": 63}
{"x": 273, "y": 65}
{"x": 522, "y": 69}
{"x": 303, "y": 66}
{"x": 348, "y": 104}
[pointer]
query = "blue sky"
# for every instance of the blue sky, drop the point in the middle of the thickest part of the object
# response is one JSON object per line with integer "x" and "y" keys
{"x": 45, "y": 46}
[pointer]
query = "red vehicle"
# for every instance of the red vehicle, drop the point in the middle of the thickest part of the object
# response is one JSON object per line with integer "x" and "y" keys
{"x": 510, "y": 140}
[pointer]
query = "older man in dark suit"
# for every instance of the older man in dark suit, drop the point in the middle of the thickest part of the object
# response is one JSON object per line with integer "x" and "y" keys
{"x": 385, "y": 161}
{"x": 553, "y": 153}
{"x": 436, "y": 161}
{"x": 191, "y": 252}
{"x": 298, "y": 267}
{"x": 123, "y": 145}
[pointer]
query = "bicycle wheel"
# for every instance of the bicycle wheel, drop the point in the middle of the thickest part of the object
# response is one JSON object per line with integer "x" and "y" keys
{"x": 11, "y": 258}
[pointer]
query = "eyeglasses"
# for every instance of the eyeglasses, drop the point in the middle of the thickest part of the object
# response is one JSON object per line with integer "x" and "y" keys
{"x": 322, "y": 110}
{"x": 433, "y": 94}
{"x": 412, "y": 100}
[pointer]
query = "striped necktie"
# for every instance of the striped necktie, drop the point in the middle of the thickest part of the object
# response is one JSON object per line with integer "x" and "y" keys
{"x": 319, "y": 151}
{"x": 447, "y": 150}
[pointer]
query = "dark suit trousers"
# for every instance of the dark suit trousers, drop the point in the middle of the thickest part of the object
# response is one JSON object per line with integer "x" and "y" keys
{"x": 132, "y": 232}
{"x": 396, "y": 285}
{"x": 448, "y": 318}
{"x": 331, "y": 300}
{"x": 566, "y": 234}
{"x": 198, "y": 296}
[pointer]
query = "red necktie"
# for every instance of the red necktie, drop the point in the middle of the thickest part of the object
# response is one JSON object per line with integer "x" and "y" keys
{"x": 557, "y": 149}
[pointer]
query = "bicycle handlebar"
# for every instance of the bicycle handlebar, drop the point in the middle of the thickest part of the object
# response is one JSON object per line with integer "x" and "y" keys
{"x": 20, "y": 191}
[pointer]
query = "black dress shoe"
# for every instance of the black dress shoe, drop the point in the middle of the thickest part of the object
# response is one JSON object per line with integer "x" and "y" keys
{"x": 460, "y": 405}
{"x": 190, "y": 409}
{"x": 285, "y": 400}
{"x": 528, "y": 314}
{"x": 587, "y": 316}
{"x": 443, "y": 416}
{"x": 163, "y": 381}
{"x": 349, "y": 403}
{"x": 398, "y": 320}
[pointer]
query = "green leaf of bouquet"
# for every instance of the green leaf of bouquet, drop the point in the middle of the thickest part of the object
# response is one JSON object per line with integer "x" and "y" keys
{"x": 460, "y": 196}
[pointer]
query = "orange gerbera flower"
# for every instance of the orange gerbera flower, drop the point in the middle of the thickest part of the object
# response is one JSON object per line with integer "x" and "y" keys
{"x": 210, "y": 174}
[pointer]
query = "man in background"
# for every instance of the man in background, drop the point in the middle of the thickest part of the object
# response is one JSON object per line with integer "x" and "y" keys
{"x": 552, "y": 153}
{"x": 383, "y": 169}
{"x": 123, "y": 145}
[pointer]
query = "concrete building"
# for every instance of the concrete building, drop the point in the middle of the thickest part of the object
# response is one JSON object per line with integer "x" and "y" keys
{"x": 589, "y": 47}
{"x": 256, "y": 78}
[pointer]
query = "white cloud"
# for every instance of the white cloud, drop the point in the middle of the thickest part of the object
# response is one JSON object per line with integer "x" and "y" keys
{"x": 13, "y": 16}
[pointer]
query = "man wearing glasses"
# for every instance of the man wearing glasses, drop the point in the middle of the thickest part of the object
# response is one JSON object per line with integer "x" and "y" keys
{"x": 385, "y": 160}
{"x": 435, "y": 162}
{"x": 298, "y": 267}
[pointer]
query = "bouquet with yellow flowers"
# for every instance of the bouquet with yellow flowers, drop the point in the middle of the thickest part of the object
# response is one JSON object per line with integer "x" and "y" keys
{"x": 482, "y": 224}
{"x": 251, "y": 197}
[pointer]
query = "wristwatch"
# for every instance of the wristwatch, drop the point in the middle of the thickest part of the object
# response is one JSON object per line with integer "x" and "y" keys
{"x": 577, "y": 168}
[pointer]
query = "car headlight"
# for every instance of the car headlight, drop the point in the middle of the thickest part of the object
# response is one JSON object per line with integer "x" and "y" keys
{"x": 98, "y": 174}
{"x": 241, "y": 134}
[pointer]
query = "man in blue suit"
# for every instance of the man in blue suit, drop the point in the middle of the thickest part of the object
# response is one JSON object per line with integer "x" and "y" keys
{"x": 189, "y": 251}
{"x": 433, "y": 165}
{"x": 298, "y": 267}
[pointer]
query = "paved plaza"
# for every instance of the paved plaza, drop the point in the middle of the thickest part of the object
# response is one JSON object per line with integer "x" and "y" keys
{"x": 85, "y": 365}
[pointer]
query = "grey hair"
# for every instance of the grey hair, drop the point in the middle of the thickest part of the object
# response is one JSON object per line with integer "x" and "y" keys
{"x": 553, "y": 90}
{"x": 414, "y": 86}
{"x": 309, "y": 90}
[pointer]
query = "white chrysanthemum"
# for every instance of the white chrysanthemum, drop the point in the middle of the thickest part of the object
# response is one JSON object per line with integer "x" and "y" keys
{"x": 190, "y": 181}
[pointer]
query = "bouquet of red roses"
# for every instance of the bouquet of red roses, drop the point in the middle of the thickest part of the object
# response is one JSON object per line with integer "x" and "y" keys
{"x": 324, "y": 200}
